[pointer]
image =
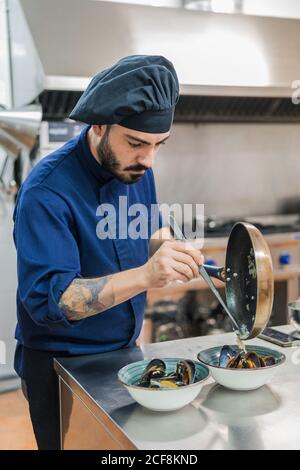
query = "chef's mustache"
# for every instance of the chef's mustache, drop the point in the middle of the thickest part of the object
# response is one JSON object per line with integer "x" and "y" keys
{"x": 136, "y": 168}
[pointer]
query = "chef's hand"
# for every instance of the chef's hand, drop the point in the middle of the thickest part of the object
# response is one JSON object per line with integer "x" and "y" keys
{"x": 173, "y": 261}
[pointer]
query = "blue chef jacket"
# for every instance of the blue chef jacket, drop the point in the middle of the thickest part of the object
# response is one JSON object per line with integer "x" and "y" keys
{"x": 55, "y": 236}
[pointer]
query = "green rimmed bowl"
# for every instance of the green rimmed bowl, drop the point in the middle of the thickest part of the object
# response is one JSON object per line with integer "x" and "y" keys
{"x": 241, "y": 379}
{"x": 162, "y": 399}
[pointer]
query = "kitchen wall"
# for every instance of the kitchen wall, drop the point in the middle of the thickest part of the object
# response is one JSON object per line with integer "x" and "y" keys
{"x": 4, "y": 69}
{"x": 7, "y": 251}
{"x": 234, "y": 169}
{"x": 8, "y": 284}
{"x": 7, "y": 290}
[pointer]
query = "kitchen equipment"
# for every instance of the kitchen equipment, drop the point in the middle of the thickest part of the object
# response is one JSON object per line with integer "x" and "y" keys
{"x": 212, "y": 287}
{"x": 248, "y": 278}
{"x": 224, "y": 88}
{"x": 19, "y": 128}
{"x": 241, "y": 379}
{"x": 161, "y": 399}
{"x": 267, "y": 224}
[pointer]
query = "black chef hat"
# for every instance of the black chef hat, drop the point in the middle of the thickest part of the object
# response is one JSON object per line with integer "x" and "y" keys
{"x": 138, "y": 92}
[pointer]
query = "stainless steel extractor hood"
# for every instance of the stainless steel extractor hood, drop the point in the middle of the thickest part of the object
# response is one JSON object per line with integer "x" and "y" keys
{"x": 19, "y": 128}
{"x": 230, "y": 67}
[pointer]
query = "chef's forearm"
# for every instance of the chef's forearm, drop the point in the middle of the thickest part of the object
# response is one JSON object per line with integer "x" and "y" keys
{"x": 87, "y": 297}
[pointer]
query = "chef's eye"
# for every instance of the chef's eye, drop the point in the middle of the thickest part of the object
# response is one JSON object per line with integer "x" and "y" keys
{"x": 134, "y": 146}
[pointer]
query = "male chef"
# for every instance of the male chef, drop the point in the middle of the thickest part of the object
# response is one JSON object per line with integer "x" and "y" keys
{"x": 80, "y": 291}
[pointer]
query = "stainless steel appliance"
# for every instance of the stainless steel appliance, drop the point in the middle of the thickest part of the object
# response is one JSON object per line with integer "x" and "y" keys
{"x": 230, "y": 67}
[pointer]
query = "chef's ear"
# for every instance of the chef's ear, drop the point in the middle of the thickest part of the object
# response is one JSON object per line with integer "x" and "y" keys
{"x": 99, "y": 130}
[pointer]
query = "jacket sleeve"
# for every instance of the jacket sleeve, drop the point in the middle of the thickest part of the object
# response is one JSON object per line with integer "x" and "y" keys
{"x": 47, "y": 254}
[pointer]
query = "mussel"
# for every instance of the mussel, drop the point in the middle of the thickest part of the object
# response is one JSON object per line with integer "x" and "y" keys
{"x": 236, "y": 361}
{"x": 253, "y": 360}
{"x": 154, "y": 370}
{"x": 226, "y": 354}
{"x": 185, "y": 372}
{"x": 267, "y": 361}
{"x": 248, "y": 360}
{"x": 231, "y": 359}
{"x": 155, "y": 376}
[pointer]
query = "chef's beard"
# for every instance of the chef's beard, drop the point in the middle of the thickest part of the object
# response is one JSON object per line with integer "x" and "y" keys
{"x": 110, "y": 162}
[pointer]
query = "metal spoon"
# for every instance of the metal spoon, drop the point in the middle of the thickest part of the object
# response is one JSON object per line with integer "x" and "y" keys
{"x": 179, "y": 236}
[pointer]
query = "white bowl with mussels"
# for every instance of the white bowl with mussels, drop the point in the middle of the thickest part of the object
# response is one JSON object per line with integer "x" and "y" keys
{"x": 164, "y": 384}
{"x": 238, "y": 370}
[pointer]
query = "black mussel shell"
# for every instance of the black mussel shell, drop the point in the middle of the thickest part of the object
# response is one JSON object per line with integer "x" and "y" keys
{"x": 156, "y": 368}
{"x": 248, "y": 360}
{"x": 185, "y": 372}
{"x": 268, "y": 361}
{"x": 236, "y": 362}
{"x": 252, "y": 360}
{"x": 226, "y": 354}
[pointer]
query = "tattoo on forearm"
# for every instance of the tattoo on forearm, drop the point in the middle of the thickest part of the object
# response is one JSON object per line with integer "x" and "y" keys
{"x": 85, "y": 297}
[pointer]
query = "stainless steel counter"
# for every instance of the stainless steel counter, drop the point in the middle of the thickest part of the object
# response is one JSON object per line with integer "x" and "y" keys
{"x": 91, "y": 396}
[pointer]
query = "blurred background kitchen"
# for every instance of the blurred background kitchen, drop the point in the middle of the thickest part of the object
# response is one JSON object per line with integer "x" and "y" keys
{"x": 235, "y": 141}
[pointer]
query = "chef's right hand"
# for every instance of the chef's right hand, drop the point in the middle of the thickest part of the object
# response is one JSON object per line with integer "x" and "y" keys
{"x": 173, "y": 261}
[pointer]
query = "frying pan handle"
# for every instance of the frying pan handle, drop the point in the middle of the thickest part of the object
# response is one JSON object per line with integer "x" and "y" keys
{"x": 215, "y": 271}
{"x": 212, "y": 271}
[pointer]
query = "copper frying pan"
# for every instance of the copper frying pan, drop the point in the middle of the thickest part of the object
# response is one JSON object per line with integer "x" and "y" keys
{"x": 248, "y": 278}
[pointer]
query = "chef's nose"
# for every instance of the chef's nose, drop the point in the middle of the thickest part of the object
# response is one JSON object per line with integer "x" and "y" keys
{"x": 147, "y": 159}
